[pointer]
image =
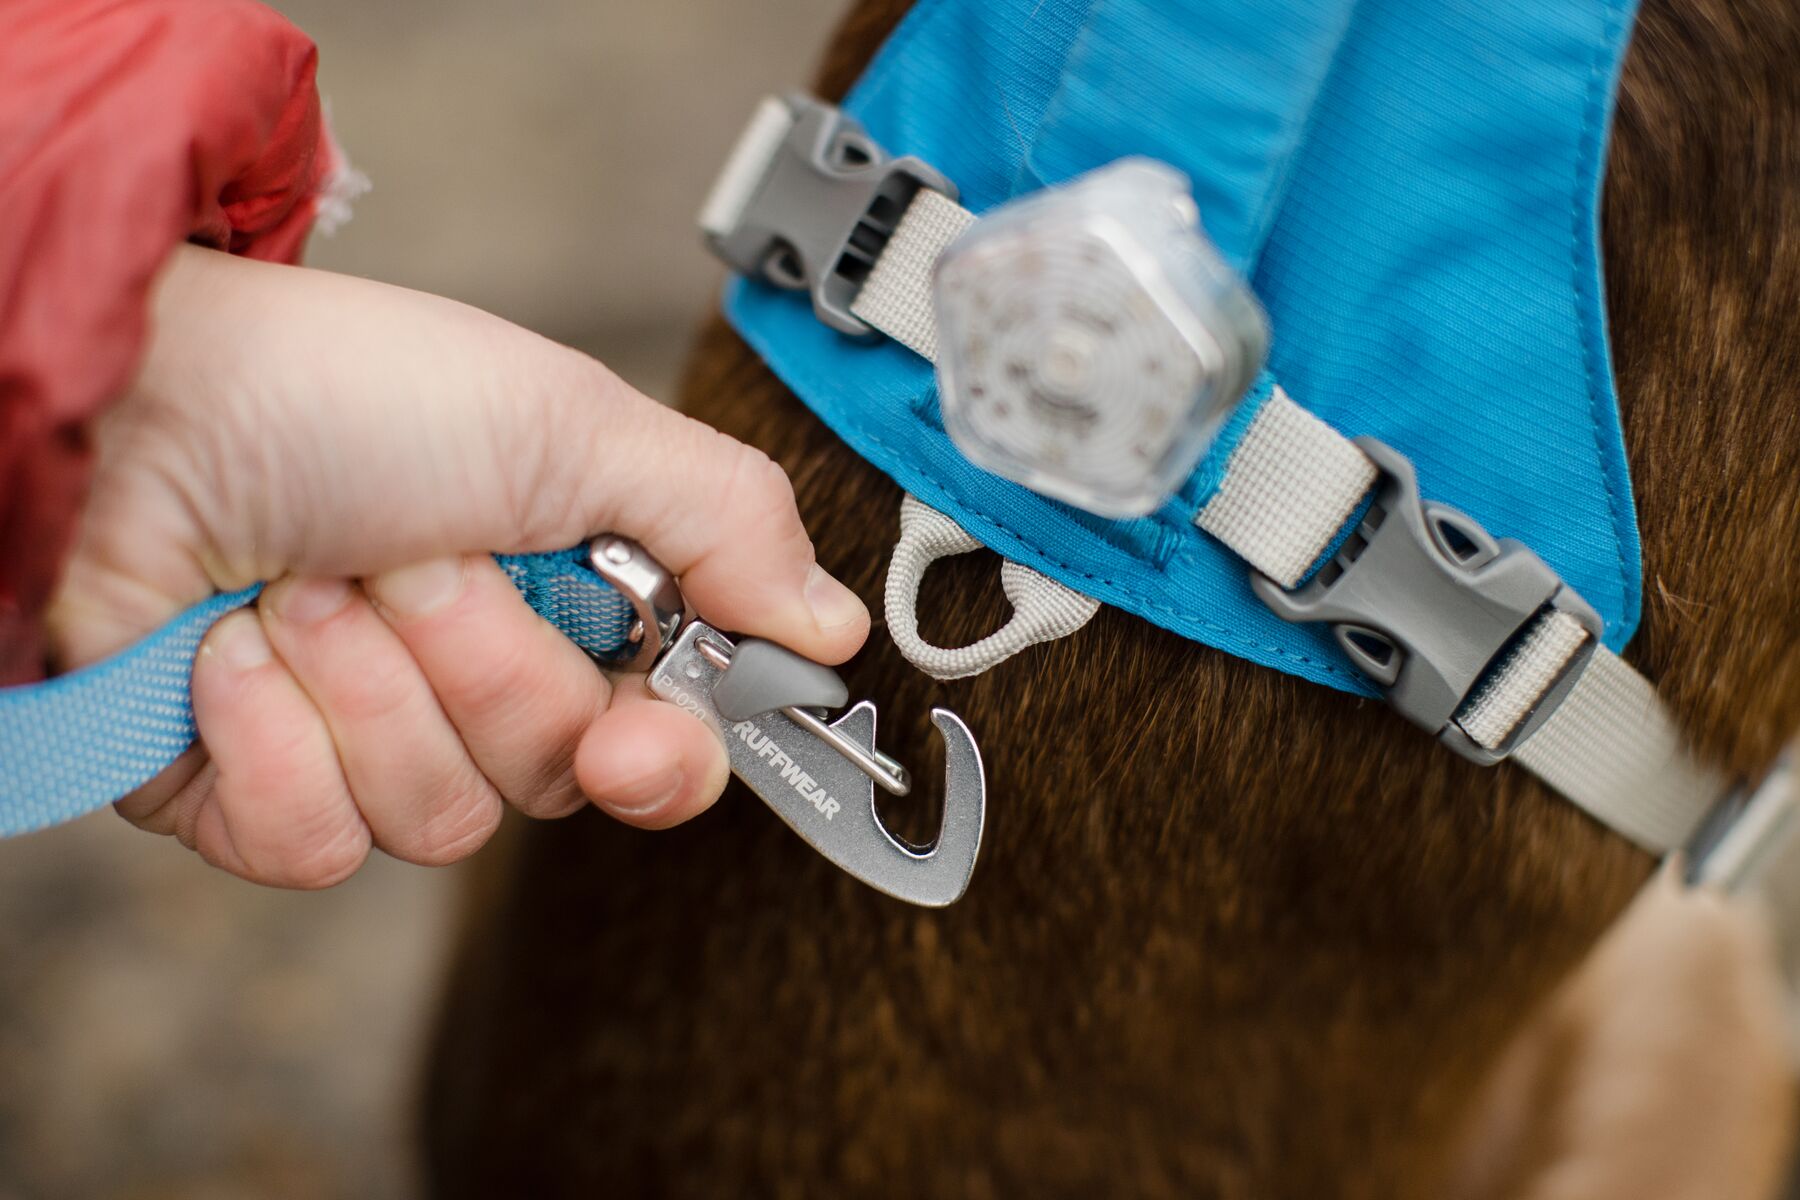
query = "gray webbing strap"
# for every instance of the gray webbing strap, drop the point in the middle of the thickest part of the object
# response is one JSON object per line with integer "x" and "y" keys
{"x": 1043, "y": 609}
{"x": 1506, "y": 697}
{"x": 897, "y": 297}
{"x": 1612, "y": 748}
{"x": 1288, "y": 489}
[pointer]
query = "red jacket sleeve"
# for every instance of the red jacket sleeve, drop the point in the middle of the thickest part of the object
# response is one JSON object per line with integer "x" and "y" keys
{"x": 126, "y": 127}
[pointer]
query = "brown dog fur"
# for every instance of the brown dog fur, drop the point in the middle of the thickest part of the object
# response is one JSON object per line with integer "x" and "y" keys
{"x": 1232, "y": 935}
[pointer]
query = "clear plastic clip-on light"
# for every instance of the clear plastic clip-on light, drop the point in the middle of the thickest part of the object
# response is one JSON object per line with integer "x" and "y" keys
{"x": 1092, "y": 341}
{"x": 767, "y": 705}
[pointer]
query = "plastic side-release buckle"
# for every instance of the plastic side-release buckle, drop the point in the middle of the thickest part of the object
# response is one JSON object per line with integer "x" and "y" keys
{"x": 1426, "y": 603}
{"x": 807, "y": 200}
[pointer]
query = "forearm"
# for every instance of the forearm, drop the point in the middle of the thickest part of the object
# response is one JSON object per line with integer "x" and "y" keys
{"x": 124, "y": 131}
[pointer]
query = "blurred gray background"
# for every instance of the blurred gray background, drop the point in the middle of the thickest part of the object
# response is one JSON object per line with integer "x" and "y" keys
{"x": 166, "y": 1031}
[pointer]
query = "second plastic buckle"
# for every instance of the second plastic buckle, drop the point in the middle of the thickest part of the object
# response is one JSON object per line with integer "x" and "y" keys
{"x": 808, "y": 200}
{"x": 1426, "y": 603}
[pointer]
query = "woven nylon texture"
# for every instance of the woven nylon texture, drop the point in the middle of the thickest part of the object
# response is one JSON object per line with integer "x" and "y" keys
{"x": 1510, "y": 691}
{"x": 81, "y": 741}
{"x": 1043, "y": 609}
{"x": 897, "y": 297}
{"x": 1412, "y": 188}
{"x": 1292, "y": 483}
{"x": 1645, "y": 785}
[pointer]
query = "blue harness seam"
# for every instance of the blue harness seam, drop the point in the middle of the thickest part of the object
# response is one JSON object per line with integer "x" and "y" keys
{"x": 1596, "y": 358}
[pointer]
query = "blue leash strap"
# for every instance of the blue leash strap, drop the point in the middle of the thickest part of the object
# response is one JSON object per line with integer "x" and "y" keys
{"x": 81, "y": 741}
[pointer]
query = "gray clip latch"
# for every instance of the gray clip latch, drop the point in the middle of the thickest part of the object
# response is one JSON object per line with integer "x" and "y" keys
{"x": 807, "y": 200}
{"x": 766, "y": 705}
{"x": 1426, "y": 603}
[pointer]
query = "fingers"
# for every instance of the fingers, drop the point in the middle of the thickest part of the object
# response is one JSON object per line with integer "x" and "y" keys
{"x": 402, "y": 765}
{"x": 403, "y": 714}
{"x": 150, "y": 806}
{"x": 519, "y": 694}
{"x": 721, "y": 515}
{"x": 424, "y": 799}
{"x": 648, "y": 763}
{"x": 523, "y": 698}
{"x": 275, "y": 807}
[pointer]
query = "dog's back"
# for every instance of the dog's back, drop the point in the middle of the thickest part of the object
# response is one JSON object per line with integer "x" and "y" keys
{"x": 1232, "y": 934}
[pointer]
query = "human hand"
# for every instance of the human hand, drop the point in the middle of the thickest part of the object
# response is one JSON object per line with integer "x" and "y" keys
{"x": 365, "y": 447}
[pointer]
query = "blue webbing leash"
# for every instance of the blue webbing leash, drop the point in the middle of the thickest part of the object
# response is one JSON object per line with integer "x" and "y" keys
{"x": 80, "y": 741}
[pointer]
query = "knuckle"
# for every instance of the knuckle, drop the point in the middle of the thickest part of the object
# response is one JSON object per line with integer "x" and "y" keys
{"x": 544, "y": 499}
{"x": 553, "y": 793}
{"x": 758, "y": 498}
{"x": 528, "y": 692}
{"x": 462, "y": 825}
{"x": 312, "y": 864}
{"x": 375, "y": 698}
{"x": 321, "y": 842}
{"x": 757, "y": 488}
{"x": 266, "y": 728}
{"x": 500, "y": 685}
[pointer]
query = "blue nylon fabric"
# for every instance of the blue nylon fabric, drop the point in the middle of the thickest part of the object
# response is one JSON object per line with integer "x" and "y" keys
{"x": 1412, "y": 188}
{"x": 80, "y": 741}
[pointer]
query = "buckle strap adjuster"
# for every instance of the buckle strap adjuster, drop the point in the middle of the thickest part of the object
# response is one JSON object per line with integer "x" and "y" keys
{"x": 1426, "y": 604}
{"x": 807, "y": 200}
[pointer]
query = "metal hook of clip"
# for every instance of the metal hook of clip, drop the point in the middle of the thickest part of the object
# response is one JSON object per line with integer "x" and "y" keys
{"x": 766, "y": 704}
{"x": 656, "y": 603}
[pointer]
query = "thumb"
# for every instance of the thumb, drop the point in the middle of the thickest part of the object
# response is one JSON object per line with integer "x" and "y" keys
{"x": 720, "y": 515}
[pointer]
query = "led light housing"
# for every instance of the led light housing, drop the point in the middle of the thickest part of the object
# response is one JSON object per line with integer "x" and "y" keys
{"x": 1092, "y": 341}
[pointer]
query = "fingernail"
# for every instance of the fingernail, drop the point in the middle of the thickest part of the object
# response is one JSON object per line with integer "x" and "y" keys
{"x": 420, "y": 589}
{"x": 652, "y": 792}
{"x": 239, "y": 642}
{"x": 833, "y": 605}
{"x": 309, "y": 601}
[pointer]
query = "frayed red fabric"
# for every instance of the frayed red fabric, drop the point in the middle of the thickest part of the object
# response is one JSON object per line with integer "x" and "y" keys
{"x": 126, "y": 128}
